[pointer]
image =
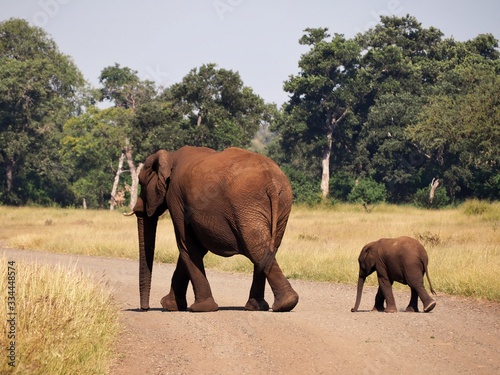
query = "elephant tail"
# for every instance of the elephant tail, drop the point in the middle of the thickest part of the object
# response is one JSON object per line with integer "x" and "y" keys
{"x": 267, "y": 260}
{"x": 429, "y": 279}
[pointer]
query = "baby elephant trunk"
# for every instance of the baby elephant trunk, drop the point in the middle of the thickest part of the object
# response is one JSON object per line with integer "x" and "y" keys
{"x": 361, "y": 282}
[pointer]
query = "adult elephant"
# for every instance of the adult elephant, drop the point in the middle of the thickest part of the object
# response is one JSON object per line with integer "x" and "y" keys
{"x": 229, "y": 202}
{"x": 401, "y": 259}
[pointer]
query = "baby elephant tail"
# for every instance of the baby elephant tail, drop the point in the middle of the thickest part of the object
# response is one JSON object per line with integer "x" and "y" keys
{"x": 429, "y": 279}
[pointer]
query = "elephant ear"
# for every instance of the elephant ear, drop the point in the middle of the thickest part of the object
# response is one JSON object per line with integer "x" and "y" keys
{"x": 367, "y": 259}
{"x": 153, "y": 179}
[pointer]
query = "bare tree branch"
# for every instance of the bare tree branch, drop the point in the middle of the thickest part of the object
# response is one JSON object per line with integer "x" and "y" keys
{"x": 434, "y": 186}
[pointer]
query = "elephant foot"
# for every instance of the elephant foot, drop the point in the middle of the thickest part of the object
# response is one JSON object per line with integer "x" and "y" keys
{"x": 391, "y": 310}
{"x": 170, "y": 303}
{"x": 430, "y": 306}
{"x": 286, "y": 301}
{"x": 257, "y": 305}
{"x": 411, "y": 309}
{"x": 378, "y": 309}
{"x": 206, "y": 305}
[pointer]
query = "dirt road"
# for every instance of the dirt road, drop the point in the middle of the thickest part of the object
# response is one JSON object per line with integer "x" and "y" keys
{"x": 320, "y": 336}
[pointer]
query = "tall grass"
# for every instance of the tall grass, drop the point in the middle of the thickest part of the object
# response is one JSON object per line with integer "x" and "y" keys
{"x": 463, "y": 248}
{"x": 65, "y": 323}
{"x": 76, "y": 231}
{"x": 320, "y": 244}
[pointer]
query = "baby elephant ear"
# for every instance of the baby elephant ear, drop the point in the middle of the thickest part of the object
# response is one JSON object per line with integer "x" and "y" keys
{"x": 367, "y": 258}
{"x": 153, "y": 179}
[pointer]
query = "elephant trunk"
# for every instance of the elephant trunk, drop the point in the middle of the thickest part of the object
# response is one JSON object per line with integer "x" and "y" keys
{"x": 147, "y": 237}
{"x": 361, "y": 282}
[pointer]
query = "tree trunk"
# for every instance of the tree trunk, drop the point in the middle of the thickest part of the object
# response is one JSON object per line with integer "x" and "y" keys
{"x": 9, "y": 173}
{"x": 112, "y": 201}
{"x": 134, "y": 172}
{"x": 325, "y": 164}
{"x": 434, "y": 186}
{"x": 331, "y": 124}
{"x": 134, "y": 189}
{"x": 198, "y": 121}
{"x": 101, "y": 199}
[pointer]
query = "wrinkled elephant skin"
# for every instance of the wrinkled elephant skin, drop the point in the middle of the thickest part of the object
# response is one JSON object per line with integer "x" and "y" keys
{"x": 229, "y": 202}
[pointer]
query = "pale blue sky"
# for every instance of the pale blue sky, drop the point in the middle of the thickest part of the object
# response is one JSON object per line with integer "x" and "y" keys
{"x": 164, "y": 40}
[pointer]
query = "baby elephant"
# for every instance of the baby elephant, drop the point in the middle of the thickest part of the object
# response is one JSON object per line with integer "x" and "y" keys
{"x": 401, "y": 259}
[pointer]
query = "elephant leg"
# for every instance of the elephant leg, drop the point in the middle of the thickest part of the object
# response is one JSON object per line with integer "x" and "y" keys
{"x": 175, "y": 300}
{"x": 427, "y": 300}
{"x": 413, "y": 305}
{"x": 386, "y": 287}
{"x": 285, "y": 298}
{"x": 379, "y": 301}
{"x": 192, "y": 256}
{"x": 256, "y": 301}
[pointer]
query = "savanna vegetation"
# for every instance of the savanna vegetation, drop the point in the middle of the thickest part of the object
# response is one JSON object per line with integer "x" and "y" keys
{"x": 66, "y": 323}
{"x": 370, "y": 119}
{"x": 320, "y": 244}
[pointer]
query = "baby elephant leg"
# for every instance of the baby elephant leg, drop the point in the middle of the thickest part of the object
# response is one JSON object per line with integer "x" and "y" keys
{"x": 427, "y": 300}
{"x": 413, "y": 305}
{"x": 379, "y": 301}
{"x": 420, "y": 292}
{"x": 386, "y": 287}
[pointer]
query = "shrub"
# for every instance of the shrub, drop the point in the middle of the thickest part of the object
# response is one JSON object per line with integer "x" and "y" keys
{"x": 305, "y": 189}
{"x": 368, "y": 191}
{"x": 428, "y": 238}
{"x": 475, "y": 207}
{"x": 421, "y": 198}
{"x": 341, "y": 185}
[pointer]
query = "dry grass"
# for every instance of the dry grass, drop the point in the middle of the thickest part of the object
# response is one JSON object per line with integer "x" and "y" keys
{"x": 89, "y": 232}
{"x": 463, "y": 248}
{"x": 320, "y": 244}
{"x": 65, "y": 322}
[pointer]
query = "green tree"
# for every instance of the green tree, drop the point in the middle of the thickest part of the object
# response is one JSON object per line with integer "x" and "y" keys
{"x": 461, "y": 132}
{"x": 323, "y": 94}
{"x": 40, "y": 88}
{"x": 217, "y": 110}
{"x": 156, "y": 125}
{"x": 377, "y": 107}
{"x": 396, "y": 61}
{"x": 91, "y": 149}
{"x": 122, "y": 86}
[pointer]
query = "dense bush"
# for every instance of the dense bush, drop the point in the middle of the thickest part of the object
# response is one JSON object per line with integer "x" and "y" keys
{"x": 341, "y": 184}
{"x": 368, "y": 191}
{"x": 305, "y": 189}
{"x": 421, "y": 198}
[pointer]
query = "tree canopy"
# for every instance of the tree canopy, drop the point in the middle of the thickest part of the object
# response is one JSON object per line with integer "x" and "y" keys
{"x": 370, "y": 118}
{"x": 217, "y": 110}
{"x": 40, "y": 88}
{"x": 383, "y": 105}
